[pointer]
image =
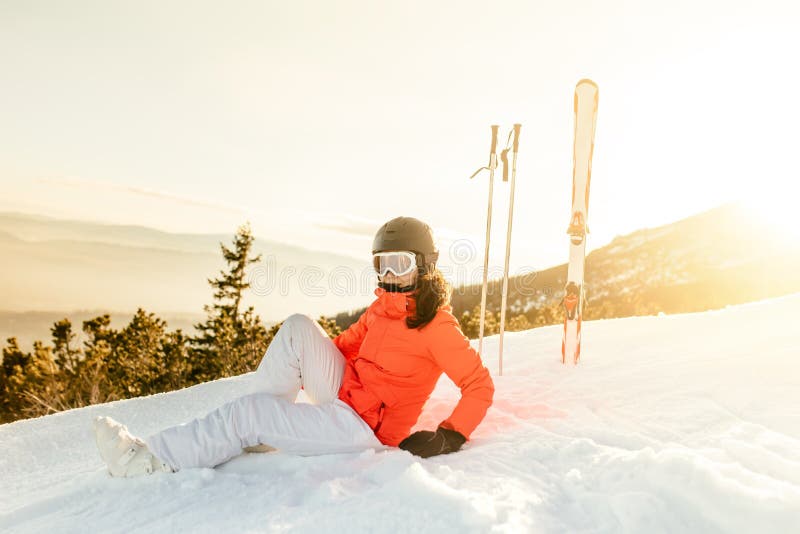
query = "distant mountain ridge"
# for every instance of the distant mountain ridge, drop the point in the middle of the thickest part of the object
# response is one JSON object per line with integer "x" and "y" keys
{"x": 716, "y": 258}
{"x": 54, "y": 265}
{"x": 31, "y": 227}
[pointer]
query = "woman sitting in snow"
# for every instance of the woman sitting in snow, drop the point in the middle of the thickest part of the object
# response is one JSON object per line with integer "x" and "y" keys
{"x": 367, "y": 386}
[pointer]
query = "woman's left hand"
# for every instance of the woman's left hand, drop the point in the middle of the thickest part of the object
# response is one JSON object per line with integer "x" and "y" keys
{"x": 426, "y": 443}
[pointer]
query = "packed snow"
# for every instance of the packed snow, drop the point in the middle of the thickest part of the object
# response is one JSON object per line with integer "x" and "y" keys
{"x": 682, "y": 423}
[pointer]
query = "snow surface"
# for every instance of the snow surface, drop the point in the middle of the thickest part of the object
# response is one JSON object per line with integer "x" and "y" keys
{"x": 682, "y": 423}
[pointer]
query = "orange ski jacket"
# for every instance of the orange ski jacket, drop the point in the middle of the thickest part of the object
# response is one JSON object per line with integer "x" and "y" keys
{"x": 392, "y": 369}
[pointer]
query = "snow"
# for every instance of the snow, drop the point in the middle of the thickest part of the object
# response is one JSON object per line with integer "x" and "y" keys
{"x": 681, "y": 423}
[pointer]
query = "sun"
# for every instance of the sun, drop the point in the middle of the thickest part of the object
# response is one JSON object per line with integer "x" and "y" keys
{"x": 778, "y": 213}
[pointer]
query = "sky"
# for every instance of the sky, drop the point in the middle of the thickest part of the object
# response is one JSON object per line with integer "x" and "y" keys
{"x": 318, "y": 121}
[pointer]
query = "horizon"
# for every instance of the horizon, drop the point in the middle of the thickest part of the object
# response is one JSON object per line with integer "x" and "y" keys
{"x": 743, "y": 207}
{"x": 274, "y": 302}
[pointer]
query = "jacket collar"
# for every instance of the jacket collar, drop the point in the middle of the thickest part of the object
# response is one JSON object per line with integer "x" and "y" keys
{"x": 398, "y": 305}
{"x": 393, "y": 304}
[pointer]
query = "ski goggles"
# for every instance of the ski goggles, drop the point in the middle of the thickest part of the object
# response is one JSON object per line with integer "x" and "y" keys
{"x": 399, "y": 262}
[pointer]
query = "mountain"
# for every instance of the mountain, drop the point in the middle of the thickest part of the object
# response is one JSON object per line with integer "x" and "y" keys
{"x": 37, "y": 228}
{"x": 679, "y": 423}
{"x": 54, "y": 265}
{"x": 720, "y": 257}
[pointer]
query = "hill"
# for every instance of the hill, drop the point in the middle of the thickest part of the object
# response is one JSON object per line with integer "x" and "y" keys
{"x": 679, "y": 423}
{"x": 720, "y": 257}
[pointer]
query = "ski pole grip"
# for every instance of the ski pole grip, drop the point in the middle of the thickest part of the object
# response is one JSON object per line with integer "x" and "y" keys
{"x": 517, "y": 128}
{"x": 493, "y": 150}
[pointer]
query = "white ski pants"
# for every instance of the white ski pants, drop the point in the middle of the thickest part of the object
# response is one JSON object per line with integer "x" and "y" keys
{"x": 300, "y": 354}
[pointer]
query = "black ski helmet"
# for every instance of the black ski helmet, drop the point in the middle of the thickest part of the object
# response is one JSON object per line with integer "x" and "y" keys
{"x": 408, "y": 233}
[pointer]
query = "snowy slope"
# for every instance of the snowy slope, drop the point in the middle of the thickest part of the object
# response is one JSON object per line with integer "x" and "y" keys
{"x": 684, "y": 423}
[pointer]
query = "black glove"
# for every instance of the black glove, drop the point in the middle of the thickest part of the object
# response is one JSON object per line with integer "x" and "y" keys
{"x": 426, "y": 443}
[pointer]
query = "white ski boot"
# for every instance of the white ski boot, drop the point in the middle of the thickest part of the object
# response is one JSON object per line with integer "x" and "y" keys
{"x": 124, "y": 454}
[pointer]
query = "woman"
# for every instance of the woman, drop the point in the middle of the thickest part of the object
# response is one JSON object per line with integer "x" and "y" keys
{"x": 367, "y": 386}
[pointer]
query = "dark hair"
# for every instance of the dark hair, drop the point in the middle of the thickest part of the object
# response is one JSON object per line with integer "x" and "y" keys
{"x": 432, "y": 292}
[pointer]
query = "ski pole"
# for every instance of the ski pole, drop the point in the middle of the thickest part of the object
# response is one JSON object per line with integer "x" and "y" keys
{"x": 491, "y": 167}
{"x": 504, "y": 297}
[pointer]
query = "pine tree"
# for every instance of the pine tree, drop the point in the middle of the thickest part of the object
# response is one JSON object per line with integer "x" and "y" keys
{"x": 69, "y": 358}
{"x": 144, "y": 357}
{"x": 471, "y": 323}
{"x": 330, "y": 326}
{"x": 64, "y": 352}
{"x": 177, "y": 362}
{"x": 94, "y": 385}
{"x": 520, "y": 322}
{"x": 12, "y": 378}
{"x": 229, "y": 342}
{"x": 44, "y": 387}
{"x": 32, "y": 382}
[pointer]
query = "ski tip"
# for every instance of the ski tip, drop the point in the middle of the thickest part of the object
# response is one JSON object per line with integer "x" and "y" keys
{"x": 586, "y": 81}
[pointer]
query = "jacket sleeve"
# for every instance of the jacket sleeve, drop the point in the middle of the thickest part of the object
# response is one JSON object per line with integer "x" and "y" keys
{"x": 349, "y": 341}
{"x": 462, "y": 364}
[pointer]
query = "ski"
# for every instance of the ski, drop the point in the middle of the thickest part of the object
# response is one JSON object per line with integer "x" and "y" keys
{"x": 586, "y": 98}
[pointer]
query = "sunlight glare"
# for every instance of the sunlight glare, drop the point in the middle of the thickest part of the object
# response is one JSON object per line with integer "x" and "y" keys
{"x": 778, "y": 211}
